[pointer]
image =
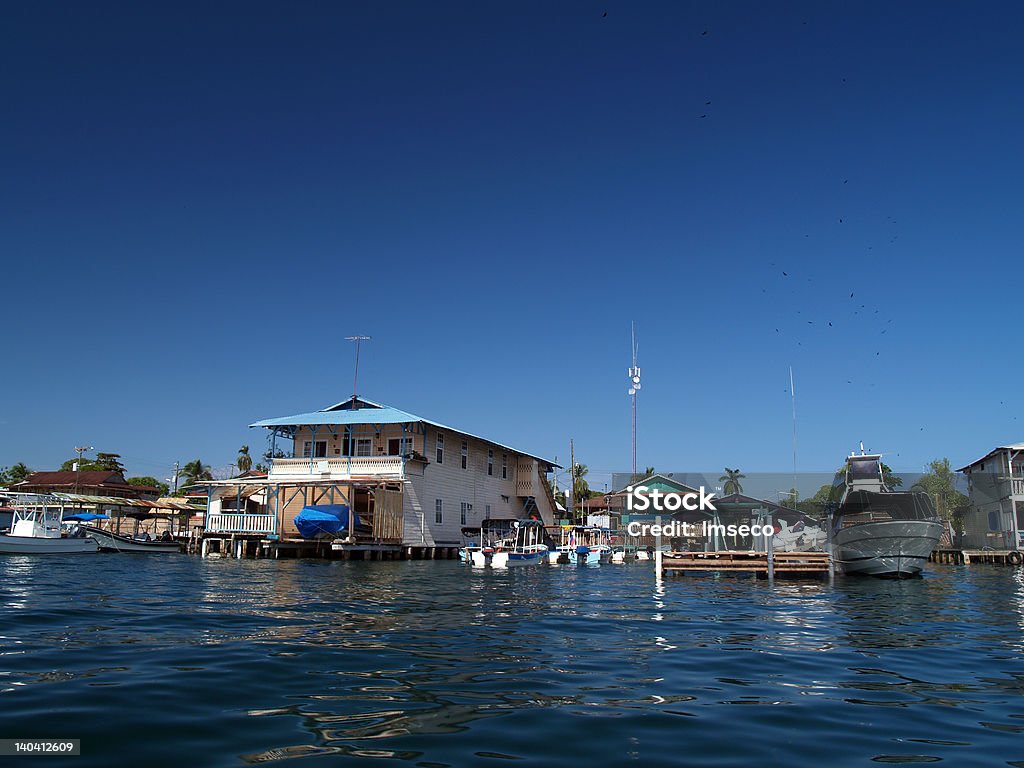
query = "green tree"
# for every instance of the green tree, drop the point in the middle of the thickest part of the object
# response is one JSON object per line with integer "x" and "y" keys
{"x": 648, "y": 471}
{"x": 244, "y": 461}
{"x": 195, "y": 471}
{"x": 815, "y": 505}
{"x": 940, "y": 484}
{"x": 889, "y": 477}
{"x": 580, "y": 488}
{"x": 731, "y": 480}
{"x": 150, "y": 482}
{"x": 104, "y": 462}
{"x": 14, "y": 473}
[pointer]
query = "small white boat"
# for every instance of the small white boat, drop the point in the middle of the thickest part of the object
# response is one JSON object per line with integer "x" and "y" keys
{"x": 36, "y": 529}
{"x": 583, "y": 545}
{"x": 523, "y": 547}
{"x": 492, "y": 534}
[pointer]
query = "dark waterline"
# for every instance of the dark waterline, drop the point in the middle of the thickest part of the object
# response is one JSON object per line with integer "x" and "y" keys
{"x": 166, "y": 661}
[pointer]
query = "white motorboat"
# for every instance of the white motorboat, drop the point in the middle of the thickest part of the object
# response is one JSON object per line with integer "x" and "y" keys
{"x": 874, "y": 530}
{"x": 37, "y": 529}
{"x": 524, "y": 546}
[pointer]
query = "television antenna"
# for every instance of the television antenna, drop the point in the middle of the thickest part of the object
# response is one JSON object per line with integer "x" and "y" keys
{"x": 355, "y": 377}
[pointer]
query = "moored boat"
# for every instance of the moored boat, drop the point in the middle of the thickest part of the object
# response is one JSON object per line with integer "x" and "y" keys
{"x": 523, "y": 546}
{"x": 874, "y": 530}
{"x": 582, "y": 545}
{"x": 114, "y": 542}
{"x": 37, "y": 529}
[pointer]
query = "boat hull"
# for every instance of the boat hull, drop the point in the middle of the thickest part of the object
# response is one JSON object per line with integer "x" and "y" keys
{"x": 112, "y": 542}
{"x": 527, "y": 558}
{"x": 481, "y": 559}
{"x": 892, "y": 548}
{"x": 38, "y": 545}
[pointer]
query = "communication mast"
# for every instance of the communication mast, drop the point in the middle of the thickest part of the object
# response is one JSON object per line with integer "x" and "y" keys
{"x": 634, "y": 387}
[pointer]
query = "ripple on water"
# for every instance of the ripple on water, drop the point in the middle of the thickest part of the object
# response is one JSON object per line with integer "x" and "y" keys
{"x": 434, "y": 664}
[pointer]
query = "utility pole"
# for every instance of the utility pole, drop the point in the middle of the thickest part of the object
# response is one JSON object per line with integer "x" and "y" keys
{"x": 572, "y": 482}
{"x": 176, "y": 464}
{"x": 78, "y": 464}
{"x": 355, "y": 378}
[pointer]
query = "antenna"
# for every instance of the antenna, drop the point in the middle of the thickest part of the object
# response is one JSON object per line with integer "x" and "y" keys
{"x": 792, "y": 394}
{"x": 634, "y": 385}
{"x": 355, "y": 378}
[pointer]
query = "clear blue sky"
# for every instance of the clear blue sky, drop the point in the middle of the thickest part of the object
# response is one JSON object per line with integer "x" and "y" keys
{"x": 199, "y": 201}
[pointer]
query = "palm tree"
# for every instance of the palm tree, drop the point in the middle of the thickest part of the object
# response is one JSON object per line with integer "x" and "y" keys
{"x": 580, "y": 488}
{"x": 648, "y": 471}
{"x": 195, "y": 471}
{"x": 244, "y": 461}
{"x": 731, "y": 480}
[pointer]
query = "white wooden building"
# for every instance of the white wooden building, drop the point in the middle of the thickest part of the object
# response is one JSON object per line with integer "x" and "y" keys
{"x": 996, "y": 489}
{"x": 414, "y": 482}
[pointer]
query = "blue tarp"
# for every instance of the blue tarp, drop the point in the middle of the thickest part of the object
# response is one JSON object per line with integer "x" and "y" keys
{"x": 86, "y": 517}
{"x": 323, "y": 518}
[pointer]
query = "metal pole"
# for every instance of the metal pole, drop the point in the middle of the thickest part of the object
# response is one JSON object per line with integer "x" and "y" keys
{"x": 770, "y": 547}
{"x": 355, "y": 378}
{"x": 78, "y": 464}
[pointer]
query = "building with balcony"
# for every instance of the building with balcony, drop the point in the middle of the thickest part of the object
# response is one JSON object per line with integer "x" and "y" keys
{"x": 409, "y": 481}
{"x": 995, "y": 485}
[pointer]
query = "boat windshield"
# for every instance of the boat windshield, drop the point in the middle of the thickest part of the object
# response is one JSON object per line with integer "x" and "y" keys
{"x": 866, "y": 506}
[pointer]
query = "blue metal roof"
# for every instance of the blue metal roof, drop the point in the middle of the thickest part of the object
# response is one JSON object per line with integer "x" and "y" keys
{"x": 342, "y": 414}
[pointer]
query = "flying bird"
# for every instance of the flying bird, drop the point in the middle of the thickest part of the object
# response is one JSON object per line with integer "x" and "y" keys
{"x": 604, "y": 15}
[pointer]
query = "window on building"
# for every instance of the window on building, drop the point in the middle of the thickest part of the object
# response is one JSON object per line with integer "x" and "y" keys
{"x": 316, "y": 449}
{"x": 465, "y": 454}
{"x": 490, "y": 462}
{"x": 487, "y": 510}
{"x": 504, "y": 466}
{"x": 399, "y": 446}
{"x": 464, "y": 511}
{"x": 440, "y": 448}
{"x": 364, "y": 446}
{"x": 438, "y": 511}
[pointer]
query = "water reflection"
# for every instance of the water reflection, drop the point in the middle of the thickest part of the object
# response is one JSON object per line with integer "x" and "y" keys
{"x": 434, "y": 663}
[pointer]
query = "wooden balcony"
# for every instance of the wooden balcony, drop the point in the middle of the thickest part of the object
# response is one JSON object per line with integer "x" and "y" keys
{"x": 338, "y": 468}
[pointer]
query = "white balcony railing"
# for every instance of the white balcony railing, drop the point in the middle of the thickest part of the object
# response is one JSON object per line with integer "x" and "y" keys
{"x": 237, "y": 522}
{"x": 338, "y": 468}
{"x": 1017, "y": 486}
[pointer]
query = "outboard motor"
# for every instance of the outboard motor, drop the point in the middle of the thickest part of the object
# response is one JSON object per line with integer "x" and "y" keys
{"x": 581, "y": 554}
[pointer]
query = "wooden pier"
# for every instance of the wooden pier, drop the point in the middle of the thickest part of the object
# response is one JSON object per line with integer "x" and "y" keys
{"x": 975, "y": 556}
{"x": 787, "y": 564}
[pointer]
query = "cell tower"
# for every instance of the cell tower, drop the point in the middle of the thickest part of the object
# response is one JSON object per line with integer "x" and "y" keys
{"x": 634, "y": 387}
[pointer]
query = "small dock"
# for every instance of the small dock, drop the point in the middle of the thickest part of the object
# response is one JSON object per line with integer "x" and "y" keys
{"x": 975, "y": 556}
{"x": 789, "y": 564}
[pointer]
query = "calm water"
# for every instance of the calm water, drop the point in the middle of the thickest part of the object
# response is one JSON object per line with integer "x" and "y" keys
{"x": 151, "y": 660}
